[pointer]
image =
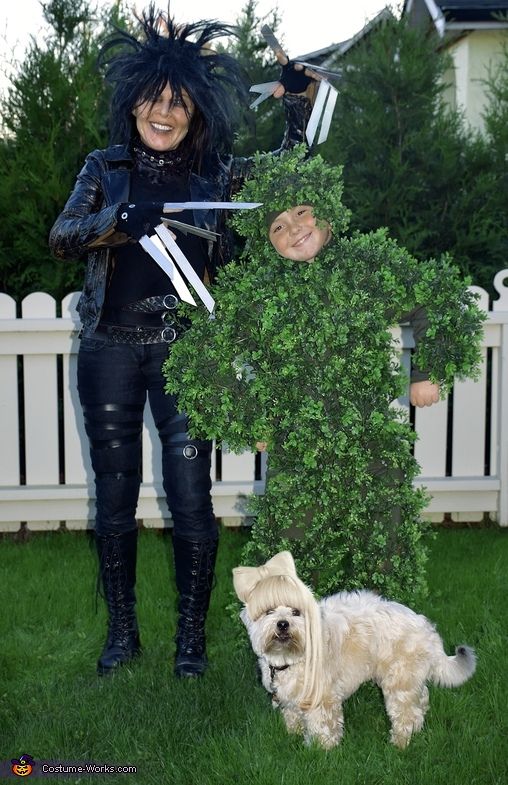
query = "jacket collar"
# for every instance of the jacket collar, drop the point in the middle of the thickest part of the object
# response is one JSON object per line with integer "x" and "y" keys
{"x": 118, "y": 153}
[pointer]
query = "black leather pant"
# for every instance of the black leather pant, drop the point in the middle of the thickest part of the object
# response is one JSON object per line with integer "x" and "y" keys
{"x": 113, "y": 382}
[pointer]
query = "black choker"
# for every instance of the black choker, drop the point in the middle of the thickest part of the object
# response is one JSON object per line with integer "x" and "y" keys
{"x": 167, "y": 162}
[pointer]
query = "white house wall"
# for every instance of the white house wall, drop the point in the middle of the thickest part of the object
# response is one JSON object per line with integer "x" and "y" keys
{"x": 473, "y": 56}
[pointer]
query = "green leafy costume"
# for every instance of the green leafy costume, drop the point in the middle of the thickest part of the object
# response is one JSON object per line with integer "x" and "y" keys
{"x": 301, "y": 356}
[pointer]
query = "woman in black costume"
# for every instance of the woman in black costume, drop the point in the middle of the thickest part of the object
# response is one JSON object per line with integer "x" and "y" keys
{"x": 172, "y": 109}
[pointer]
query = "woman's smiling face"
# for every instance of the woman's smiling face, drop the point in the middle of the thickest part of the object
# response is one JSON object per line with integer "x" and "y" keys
{"x": 164, "y": 123}
{"x": 295, "y": 234}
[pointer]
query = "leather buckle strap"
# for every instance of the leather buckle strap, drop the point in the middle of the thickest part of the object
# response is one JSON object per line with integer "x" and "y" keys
{"x": 118, "y": 317}
{"x": 159, "y": 302}
{"x": 139, "y": 335}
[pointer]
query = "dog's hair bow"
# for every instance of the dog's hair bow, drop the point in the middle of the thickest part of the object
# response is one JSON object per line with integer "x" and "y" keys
{"x": 245, "y": 579}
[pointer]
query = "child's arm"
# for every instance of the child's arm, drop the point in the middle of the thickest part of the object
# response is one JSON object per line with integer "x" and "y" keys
{"x": 422, "y": 392}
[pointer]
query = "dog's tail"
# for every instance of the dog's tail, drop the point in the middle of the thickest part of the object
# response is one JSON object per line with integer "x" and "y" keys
{"x": 454, "y": 671}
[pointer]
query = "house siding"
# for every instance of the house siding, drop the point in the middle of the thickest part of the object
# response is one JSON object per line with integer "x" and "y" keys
{"x": 473, "y": 57}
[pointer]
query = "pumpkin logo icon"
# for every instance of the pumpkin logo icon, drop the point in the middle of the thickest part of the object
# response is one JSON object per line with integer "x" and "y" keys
{"x": 22, "y": 766}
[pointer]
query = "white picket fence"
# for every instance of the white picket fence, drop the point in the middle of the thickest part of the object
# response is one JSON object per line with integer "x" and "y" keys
{"x": 45, "y": 473}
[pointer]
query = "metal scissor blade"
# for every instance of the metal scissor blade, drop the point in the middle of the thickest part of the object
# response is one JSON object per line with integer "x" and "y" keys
{"x": 190, "y": 229}
{"x": 266, "y": 91}
{"x": 186, "y": 267}
{"x": 322, "y": 112}
{"x": 271, "y": 40}
{"x": 319, "y": 69}
{"x": 154, "y": 247}
{"x": 317, "y": 111}
{"x": 326, "y": 117}
{"x": 178, "y": 207}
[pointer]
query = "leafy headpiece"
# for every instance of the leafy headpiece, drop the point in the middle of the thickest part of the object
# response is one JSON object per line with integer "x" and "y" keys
{"x": 286, "y": 180}
{"x": 138, "y": 68}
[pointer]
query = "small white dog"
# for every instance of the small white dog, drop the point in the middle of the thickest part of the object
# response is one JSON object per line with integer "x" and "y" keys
{"x": 315, "y": 655}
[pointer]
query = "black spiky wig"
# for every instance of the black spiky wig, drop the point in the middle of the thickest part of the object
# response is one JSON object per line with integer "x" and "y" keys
{"x": 139, "y": 68}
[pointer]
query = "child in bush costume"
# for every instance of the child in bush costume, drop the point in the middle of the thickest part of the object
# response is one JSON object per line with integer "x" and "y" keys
{"x": 300, "y": 356}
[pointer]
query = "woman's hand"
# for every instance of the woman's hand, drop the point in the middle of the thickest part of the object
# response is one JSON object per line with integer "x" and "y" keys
{"x": 423, "y": 393}
{"x": 294, "y": 78}
{"x": 138, "y": 219}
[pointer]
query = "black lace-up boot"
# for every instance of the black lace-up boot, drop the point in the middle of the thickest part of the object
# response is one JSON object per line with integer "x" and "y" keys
{"x": 117, "y": 565}
{"x": 194, "y": 570}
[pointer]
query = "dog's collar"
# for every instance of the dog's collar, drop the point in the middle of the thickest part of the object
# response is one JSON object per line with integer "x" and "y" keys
{"x": 275, "y": 668}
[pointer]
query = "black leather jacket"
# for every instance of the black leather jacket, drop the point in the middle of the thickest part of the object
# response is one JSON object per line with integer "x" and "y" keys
{"x": 87, "y": 224}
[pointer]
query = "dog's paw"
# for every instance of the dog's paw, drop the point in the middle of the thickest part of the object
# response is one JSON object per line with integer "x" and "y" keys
{"x": 324, "y": 741}
{"x": 400, "y": 740}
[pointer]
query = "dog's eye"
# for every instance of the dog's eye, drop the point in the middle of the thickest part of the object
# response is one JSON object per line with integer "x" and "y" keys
{"x": 269, "y": 611}
{"x": 296, "y": 612}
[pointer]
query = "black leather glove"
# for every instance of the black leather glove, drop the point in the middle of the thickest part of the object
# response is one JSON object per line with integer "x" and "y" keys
{"x": 294, "y": 81}
{"x": 138, "y": 219}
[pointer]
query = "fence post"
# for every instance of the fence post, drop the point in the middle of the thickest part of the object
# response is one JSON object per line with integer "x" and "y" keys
{"x": 41, "y": 405}
{"x": 469, "y": 421}
{"x": 502, "y": 463}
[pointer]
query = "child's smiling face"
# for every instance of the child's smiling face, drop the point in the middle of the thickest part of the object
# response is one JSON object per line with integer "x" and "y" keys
{"x": 295, "y": 234}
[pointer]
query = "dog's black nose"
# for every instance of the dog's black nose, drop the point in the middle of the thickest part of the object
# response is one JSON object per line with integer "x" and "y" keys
{"x": 283, "y": 625}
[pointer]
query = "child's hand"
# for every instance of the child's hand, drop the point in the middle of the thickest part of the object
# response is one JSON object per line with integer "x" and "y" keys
{"x": 423, "y": 393}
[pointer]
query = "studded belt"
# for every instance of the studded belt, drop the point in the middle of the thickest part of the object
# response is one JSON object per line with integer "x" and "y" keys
{"x": 138, "y": 335}
{"x": 159, "y": 302}
{"x": 141, "y": 322}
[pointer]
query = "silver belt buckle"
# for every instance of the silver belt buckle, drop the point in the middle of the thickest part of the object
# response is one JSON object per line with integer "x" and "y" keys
{"x": 168, "y": 335}
{"x": 169, "y": 301}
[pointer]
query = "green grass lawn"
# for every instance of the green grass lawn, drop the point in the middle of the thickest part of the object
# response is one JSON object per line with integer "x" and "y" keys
{"x": 221, "y": 730}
